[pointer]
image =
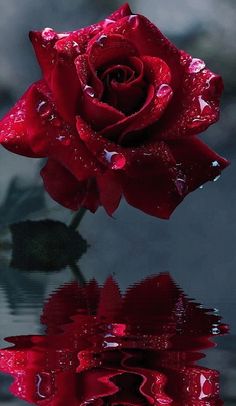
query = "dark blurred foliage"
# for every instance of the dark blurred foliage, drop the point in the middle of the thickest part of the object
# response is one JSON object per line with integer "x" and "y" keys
{"x": 45, "y": 245}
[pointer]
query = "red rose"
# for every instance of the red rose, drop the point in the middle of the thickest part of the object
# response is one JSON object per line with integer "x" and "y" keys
{"x": 117, "y": 113}
{"x": 105, "y": 348}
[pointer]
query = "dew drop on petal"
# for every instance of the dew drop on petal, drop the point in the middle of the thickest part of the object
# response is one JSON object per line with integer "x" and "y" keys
{"x": 115, "y": 159}
{"x": 180, "y": 184}
{"x": 164, "y": 90}
{"x": 54, "y": 120}
{"x": 215, "y": 164}
{"x": 48, "y": 34}
{"x": 89, "y": 90}
{"x": 101, "y": 40}
{"x": 196, "y": 122}
{"x": 196, "y": 66}
{"x": 107, "y": 22}
{"x": 204, "y": 106}
{"x": 64, "y": 140}
{"x": 133, "y": 21}
{"x": 216, "y": 178}
{"x": 44, "y": 109}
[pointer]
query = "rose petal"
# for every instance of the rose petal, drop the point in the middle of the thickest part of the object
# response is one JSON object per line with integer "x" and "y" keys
{"x": 154, "y": 195}
{"x": 51, "y": 136}
{"x": 110, "y": 191}
{"x": 141, "y": 160}
{"x": 45, "y": 51}
{"x": 106, "y": 50}
{"x": 97, "y": 113}
{"x": 66, "y": 190}
{"x": 129, "y": 95}
{"x": 14, "y": 129}
{"x": 196, "y": 161}
{"x": 195, "y": 105}
{"x": 122, "y": 11}
{"x": 65, "y": 87}
{"x": 110, "y": 301}
{"x": 153, "y": 108}
{"x": 149, "y": 41}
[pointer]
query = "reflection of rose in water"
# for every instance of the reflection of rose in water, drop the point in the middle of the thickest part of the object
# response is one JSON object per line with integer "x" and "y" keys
{"x": 105, "y": 348}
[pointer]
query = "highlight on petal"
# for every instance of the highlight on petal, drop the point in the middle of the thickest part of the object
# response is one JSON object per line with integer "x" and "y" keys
{"x": 67, "y": 190}
{"x": 14, "y": 134}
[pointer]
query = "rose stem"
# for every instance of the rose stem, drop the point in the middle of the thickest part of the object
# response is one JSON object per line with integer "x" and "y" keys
{"x": 77, "y": 218}
{"x": 77, "y": 273}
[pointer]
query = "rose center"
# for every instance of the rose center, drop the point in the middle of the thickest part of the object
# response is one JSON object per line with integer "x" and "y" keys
{"x": 118, "y": 73}
{"x": 124, "y": 86}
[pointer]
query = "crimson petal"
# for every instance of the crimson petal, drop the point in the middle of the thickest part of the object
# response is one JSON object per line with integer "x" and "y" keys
{"x": 51, "y": 136}
{"x": 154, "y": 195}
{"x": 196, "y": 105}
{"x": 66, "y": 189}
{"x": 196, "y": 161}
{"x": 14, "y": 134}
{"x": 122, "y": 11}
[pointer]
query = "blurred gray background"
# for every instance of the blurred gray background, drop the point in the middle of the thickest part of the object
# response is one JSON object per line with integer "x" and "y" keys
{"x": 197, "y": 246}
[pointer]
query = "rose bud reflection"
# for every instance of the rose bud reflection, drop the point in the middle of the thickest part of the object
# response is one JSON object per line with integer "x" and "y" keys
{"x": 102, "y": 347}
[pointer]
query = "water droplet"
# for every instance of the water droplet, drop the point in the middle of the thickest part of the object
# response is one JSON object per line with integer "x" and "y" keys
{"x": 115, "y": 159}
{"x": 204, "y": 106}
{"x": 133, "y": 21}
{"x": 196, "y": 66}
{"x": 64, "y": 140}
{"x": 101, "y": 40}
{"x": 215, "y": 330}
{"x": 216, "y": 178}
{"x": 196, "y": 122}
{"x": 180, "y": 184}
{"x": 44, "y": 109}
{"x": 62, "y": 35}
{"x": 215, "y": 164}
{"x": 48, "y": 34}
{"x": 164, "y": 90}
{"x": 55, "y": 120}
{"x": 107, "y": 22}
{"x": 89, "y": 90}
{"x": 108, "y": 344}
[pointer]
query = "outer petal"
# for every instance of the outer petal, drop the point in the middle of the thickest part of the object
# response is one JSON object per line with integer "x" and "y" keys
{"x": 195, "y": 105}
{"x": 110, "y": 191}
{"x": 160, "y": 193}
{"x": 66, "y": 190}
{"x": 14, "y": 134}
{"x": 155, "y": 195}
{"x": 196, "y": 161}
{"x": 51, "y": 136}
{"x": 122, "y": 11}
{"x": 44, "y": 50}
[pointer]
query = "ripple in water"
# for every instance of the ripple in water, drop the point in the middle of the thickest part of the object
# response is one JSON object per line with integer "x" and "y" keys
{"x": 102, "y": 347}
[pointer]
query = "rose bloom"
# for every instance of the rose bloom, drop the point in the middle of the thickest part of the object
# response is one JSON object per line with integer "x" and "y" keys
{"x": 103, "y": 347}
{"x": 116, "y": 114}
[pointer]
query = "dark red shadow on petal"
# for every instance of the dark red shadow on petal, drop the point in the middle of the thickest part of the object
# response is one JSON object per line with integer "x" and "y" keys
{"x": 65, "y": 189}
